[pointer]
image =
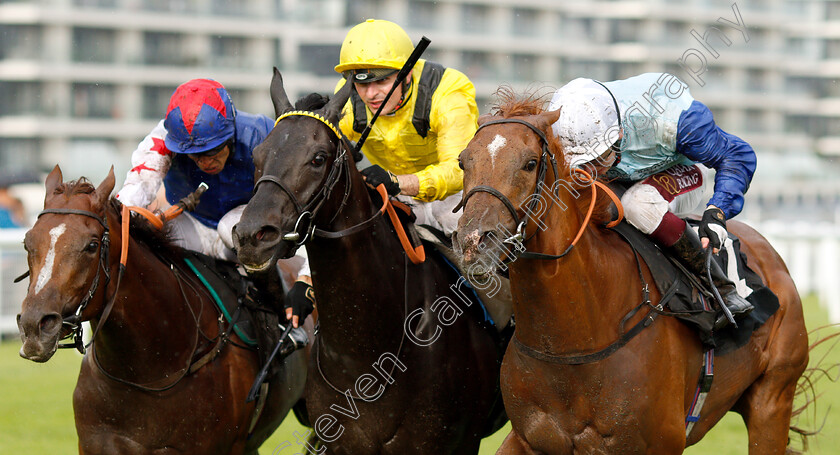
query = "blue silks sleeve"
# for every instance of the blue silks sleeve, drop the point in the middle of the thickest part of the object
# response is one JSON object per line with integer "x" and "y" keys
{"x": 731, "y": 157}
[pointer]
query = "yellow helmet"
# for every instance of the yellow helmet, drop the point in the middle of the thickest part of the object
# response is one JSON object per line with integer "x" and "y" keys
{"x": 374, "y": 44}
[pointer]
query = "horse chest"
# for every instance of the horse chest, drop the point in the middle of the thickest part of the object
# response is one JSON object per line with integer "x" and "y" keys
{"x": 572, "y": 413}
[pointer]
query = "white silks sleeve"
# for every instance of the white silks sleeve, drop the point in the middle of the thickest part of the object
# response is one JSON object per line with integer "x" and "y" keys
{"x": 149, "y": 164}
{"x": 304, "y": 269}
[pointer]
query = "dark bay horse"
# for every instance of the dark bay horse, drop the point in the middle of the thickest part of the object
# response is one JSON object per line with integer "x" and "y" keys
{"x": 137, "y": 392}
{"x": 396, "y": 367}
{"x": 635, "y": 400}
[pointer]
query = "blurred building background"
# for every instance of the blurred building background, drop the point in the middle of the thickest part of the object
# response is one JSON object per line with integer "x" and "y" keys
{"x": 82, "y": 81}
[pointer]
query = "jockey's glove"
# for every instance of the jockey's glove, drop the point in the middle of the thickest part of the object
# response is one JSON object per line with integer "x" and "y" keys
{"x": 713, "y": 227}
{"x": 376, "y": 175}
{"x": 301, "y": 299}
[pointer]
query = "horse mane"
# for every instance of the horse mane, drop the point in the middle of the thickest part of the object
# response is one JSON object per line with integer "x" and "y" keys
{"x": 511, "y": 104}
{"x": 311, "y": 102}
{"x": 141, "y": 230}
{"x": 155, "y": 239}
{"x": 79, "y": 186}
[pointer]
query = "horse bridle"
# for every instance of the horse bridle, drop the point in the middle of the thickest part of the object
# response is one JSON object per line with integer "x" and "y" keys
{"x": 519, "y": 237}
{"x": 304, "y": 226}
{"x": 74, "y": 322}
{"x": 546, "y": 157}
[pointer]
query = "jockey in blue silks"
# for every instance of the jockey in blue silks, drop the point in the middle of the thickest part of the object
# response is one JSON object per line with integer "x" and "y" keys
{"x": 651, "y": 133}
{"x": 203, "y": 138}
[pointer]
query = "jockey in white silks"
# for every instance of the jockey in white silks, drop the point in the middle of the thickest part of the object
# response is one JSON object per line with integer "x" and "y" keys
{"x": 651, "y": 133}
{"x": 203, "y": 138}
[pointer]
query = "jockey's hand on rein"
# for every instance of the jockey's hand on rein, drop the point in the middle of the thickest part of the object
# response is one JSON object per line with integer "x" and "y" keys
{"x": 375, "y": 174}
{"x": 713, "y": 227}
{"x": 299, "y": 302}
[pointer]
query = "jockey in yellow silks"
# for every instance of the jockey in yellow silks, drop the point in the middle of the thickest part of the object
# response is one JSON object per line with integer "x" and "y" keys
{"x": 414, "y": 144}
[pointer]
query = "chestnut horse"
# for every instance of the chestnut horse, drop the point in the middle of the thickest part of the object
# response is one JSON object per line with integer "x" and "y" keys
{"x": 396, "y": 367}
{"x": 635, "y": 400}
{"x": 142, "y": 388}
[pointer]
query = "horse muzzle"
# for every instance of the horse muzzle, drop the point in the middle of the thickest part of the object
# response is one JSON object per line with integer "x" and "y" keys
{"x": 40, "y": 334}
{"x": 258, "y": 249}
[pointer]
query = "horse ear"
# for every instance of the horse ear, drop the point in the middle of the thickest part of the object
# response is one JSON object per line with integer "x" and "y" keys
{"x": 53, "y": 180}
{"x": 278, "y": 95}
{"x": 546, "y": 119}
{"x": 484, "y": 119}
{"x": 333, "y": 108}
{"x": 103, "y": 191}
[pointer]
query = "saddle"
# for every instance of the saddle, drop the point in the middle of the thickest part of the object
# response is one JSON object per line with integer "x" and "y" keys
{"x": 251, "y": 317}
{"x": 229, "y": 290}
{"x": 688, "y": 299}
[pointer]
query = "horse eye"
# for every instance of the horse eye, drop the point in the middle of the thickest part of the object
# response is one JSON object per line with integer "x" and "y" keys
{"x": 530, "y": 165}
{"x": 92, "y": 246}
{"x": 319, "y": 159}
{"x": 460, "y": 164}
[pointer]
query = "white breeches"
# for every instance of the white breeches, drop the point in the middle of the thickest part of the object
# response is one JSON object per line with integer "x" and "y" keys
{"x": 644, "y": 206}
{"x": 437, "y": 214}
{"x": 191, "y": 234}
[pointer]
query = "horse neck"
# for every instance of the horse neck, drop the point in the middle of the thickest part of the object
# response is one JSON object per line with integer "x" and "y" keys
{"x": 134, "y": 337}
{"x": 581, "y": 296}
{"x": 359, "y": 278}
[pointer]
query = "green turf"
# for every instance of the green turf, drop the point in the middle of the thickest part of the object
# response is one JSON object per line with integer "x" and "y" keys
{"x": 729, "y": 436}
{"x": 36, "y": 415}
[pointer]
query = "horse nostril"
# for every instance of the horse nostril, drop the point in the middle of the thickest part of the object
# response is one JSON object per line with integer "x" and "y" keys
{"x": 50, "y": 324}
{"x": 268, "y": 234}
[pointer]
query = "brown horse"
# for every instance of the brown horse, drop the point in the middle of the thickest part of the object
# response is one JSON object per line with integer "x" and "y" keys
{"x": 158, "y": 377}
{"x": 396, "y": 367}
{"x": 635, "y": 400}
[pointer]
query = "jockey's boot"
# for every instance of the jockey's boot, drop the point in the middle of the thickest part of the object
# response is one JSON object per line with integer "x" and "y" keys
{"x": 689, "y": 251}
{"x": 297, "y": 340}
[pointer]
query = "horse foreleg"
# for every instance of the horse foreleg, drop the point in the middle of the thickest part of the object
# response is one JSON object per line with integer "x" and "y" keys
{"x": 514, "y": 445}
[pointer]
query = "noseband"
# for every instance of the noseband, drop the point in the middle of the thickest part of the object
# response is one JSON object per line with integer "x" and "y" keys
{"x": 74, "y": 322}
{"x": 304, "y": 226}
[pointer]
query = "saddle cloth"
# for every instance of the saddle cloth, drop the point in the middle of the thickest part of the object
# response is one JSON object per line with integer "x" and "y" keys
{"x": 693, "y": 303}
{"x": 229, "y": 290}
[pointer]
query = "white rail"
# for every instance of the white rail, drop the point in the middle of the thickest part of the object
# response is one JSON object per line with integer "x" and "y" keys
{"x": 12, "y": 264}
{"x": 811, "y": 252}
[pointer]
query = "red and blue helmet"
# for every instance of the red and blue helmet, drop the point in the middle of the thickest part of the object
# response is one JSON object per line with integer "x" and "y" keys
{"x": 200, "y": 117}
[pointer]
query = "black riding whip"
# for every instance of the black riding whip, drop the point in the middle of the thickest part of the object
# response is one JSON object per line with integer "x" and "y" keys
{"x": 715, "y": 289}
{"x": 407, "y": 67}
{"x": 255, "y": 387}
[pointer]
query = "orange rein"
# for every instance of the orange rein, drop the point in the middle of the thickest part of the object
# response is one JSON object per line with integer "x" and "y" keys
{"x": 157, "y": 221}
{"x": 595, "y": 185}
{"x": 415, "y": 254}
